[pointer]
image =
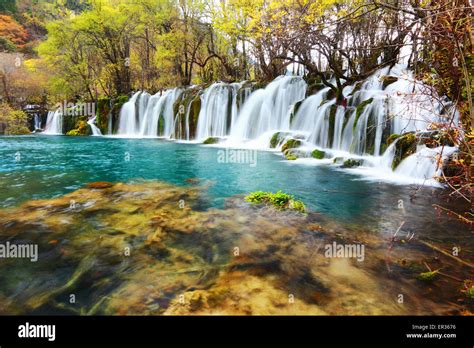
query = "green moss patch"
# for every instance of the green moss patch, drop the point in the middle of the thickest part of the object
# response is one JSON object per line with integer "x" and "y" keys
{"x": 318, "y": 154}
{"x": 211, "y": 140}
{"x": 350, "y": 163}
{"x": 388, "y": 80}
{"x": 359, "y": 109}
{"x": 427, "y": 276}
{"x": 279, "y": 200}
{"x": 291, "y": 144}
{"x": 405, "y": 146}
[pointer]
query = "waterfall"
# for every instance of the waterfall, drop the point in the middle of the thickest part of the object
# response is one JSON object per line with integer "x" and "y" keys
{"x": 109, "y": 117}
{"x": 218, "y": 110}
{"x": 37, "y": 122}
{"x": 426, "y": 163}
{"x": 95, "y": 130}
{"x": 54, "y": 123}
{"x": 269, "y": 109}
{"x": 148, "y": 116}
{"x": 168, "y": 112}
{"x": 149, "y": 124}
{"x": 373, "y": 113}
{"x": 132, "y": 115}
{"x": 128, "y": 121}
{"x": 389, "y": 102}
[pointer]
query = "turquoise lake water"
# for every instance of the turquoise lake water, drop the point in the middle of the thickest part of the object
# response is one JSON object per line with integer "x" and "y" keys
{"x": 36, "y": 167}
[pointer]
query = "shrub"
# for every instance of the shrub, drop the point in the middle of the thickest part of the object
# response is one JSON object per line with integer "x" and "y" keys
{"x": 15, "y": 122}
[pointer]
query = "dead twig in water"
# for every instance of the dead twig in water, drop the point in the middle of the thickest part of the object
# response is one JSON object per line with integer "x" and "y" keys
{"x": 445, "y": 253}
{"x": 449, "y": 212}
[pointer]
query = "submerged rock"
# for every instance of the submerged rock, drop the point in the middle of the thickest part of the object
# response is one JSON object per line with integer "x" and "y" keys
{"x": 291, "y": 144}
{"x": 277, "y": 139}
{"x": 350, "y": 163}
{"x": 388, "y": 80}
{"x": 211, "y": 140}
{"x": 99, "y": 185}
{"x": 405, "y": 146}
{"x": 318, "y": 154}
{"x": 137, "y": 251}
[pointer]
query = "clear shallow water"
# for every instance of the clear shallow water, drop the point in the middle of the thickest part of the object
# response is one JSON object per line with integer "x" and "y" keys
{"x": 180, "y": 250}
{"x": 50, "y": 166}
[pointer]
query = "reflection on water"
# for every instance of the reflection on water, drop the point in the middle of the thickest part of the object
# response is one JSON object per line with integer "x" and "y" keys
{"x": 152, "y": 248}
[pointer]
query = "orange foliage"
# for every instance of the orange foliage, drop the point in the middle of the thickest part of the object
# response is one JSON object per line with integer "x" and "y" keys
{"x": 13, "y": 31}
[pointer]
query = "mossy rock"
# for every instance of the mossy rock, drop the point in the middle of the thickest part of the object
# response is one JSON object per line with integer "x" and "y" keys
{"x": 260, "y": 85}
{"x": 427, "y": 276}
{"x": 195, "y": 109}
{"x": 292, "y": 154}
{"x": 295, "y": 110}
{"x": 103, "y": 113}
{"x": 332, "y": 122}
{"x": 279, "y": 200}
{"x": 359, "y": 109}
{"x": 405, "y": 146}
{"x": 371, "y": 133}
{"x": 387, "y": 140}
{"x": 470, "y": 292}
{"x": 82, "y": 129}
{"x": 351, "y": 163}
{"x": 347, "y": 115}
{"x": 318, "y": 154}
{"x": 392, "y": 138}
{"x": 277, "y": 138}
{"x": 357, "y": 87}
{"x": 211, "y": 140}
{"x": 291, "y": 144}
{"x": 388, "y": 80}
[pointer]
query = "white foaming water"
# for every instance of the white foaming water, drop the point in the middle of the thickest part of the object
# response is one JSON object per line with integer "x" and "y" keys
{"x": 141, "y": 115}
{"x": 155, "y": 106}
{"x": 269, "y": 109}
{"x": 215, "y": 117}
{"x": 95, "y": 130}
{"x": 128, "y": 122}
{"x": 346, "y": 131}
{"x": 37, "y": 122}
{"x": 54, "y": 123}
{"x": 426, "y": 163}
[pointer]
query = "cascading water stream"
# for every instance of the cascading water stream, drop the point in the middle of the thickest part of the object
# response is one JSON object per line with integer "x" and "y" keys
{"x": 95, "y": 130}
{"x": 218, "y": 110}
{"x": 359, "y": 127}
{"x": 37, "y": 122}
{"x": 148, "y": 116}
{"x": 268, "y": 109}
{"x": 426, "y": 163}
{"x": 128, "y": 121}
{"x": 54, "y": 123}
